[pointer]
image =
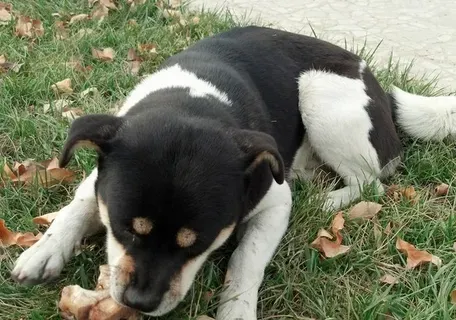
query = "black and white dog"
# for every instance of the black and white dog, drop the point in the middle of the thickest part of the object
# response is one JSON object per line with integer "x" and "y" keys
{"x": 209, "y": 143}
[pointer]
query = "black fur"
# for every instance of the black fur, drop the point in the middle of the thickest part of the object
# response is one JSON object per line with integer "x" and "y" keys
{"x": 184, "y": 161}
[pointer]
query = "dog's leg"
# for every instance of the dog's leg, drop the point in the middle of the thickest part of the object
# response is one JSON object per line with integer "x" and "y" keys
{"x": 246, "y": 267}
{"x": 46, "y": 258}
{"x": 334, "y": 110}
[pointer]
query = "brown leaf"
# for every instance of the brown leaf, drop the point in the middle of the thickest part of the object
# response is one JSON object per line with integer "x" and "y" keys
{"x": 108, "y": 4}
{"x": 453, "y": 297}
{"x": 5, "y": 13}
{"x": 364, "y": 210}
{"x": 204, "y": 317}
{"x": 57, "y": 105}
{"x": 133, "y": 62}
{"x": 388, "y": 228}
{"x": 45, "y": 219}
{"x": 46, "y": 173}
{"x": 148, "y": 50}
{"x": 409, "y": 193}
{"x": 83, "y": 32}
{"x": 63, "y": 87}
{"x": 106, "y": 54}
{"x": 5, "y": 66}
{"x": 441, "y": 190}
{"x": 28, "y": 27}
{"x": 416, "y": 257}
{"x": 100, "y": 12}
{"x": 9, "y": 238}
{"x": 389, "y": 279}
{"x": 172, "y": 14}
{"x": 132, "y": 22}
{"x": 326, "y": 246}
{"x": 196, "y": 20}
{"x": 61, "y": 33}
{"x": 397, "y": 193}
{"x": 133, "y": 3}
{"x": 72, "y": 113}
{"x": 79, "y": 17}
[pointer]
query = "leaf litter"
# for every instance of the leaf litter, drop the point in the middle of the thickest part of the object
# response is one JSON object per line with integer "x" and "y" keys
{"x": 416, "y": 257}
{"x": 323, "y": 241}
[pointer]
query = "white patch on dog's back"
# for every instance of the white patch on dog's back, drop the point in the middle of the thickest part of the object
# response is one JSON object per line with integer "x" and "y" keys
{"x": 172, "y": 77}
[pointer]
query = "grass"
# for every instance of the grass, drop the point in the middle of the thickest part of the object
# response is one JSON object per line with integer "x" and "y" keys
{"x": 298, "y": 283}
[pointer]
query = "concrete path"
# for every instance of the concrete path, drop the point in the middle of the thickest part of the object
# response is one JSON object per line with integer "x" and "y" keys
{"x": 419, "y": 30}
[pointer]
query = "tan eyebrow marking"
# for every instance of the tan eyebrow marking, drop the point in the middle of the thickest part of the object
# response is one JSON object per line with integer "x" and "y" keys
{"x": 185, "y": 237}
{"x": 142, "y": 225}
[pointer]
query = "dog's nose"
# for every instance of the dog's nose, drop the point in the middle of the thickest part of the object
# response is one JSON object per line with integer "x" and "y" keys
{"x": 141, "y": 300}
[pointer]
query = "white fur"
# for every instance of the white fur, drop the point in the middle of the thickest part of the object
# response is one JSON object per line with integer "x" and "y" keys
{"x": 304, "y": 162}
{"x": 172, "y": 77}
{"x": 46, "y": 258}
{"x": 264, "y": 231}
{"x": 427, "y": 118}
{"x": 338, "y": 125}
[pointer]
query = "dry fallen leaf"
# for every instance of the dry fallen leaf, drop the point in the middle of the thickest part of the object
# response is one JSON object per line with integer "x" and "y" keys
{"x": 9, "y": 238}
{"x": 133, "y": 3}
{"x": 106, "y": 54}
{"x": 72, "y": 113}
{"x": 454, "y": 246}
{"x": 416, "y": 257}
{"x": 364, "y": 210}
{"x": 388, "y": 228}
{"x": 79, "y": 17}
{"x": 133, "y": 62}
{"x": 397, "y": 193}
{"x": 108, "y": 4}
{"x": 45, "y": 219}
{"x": 5, "y": 13}
{"x": 77, "y": 65}
{"x": 409, "y": 193}
{"x": 63, "y": 87}
{"x": 88, "y": 91}
{"x": 453, "y": 297}
{"x": 46, "y": 173}
{"x": 132, "y": 22}
{"x": 28, "y": 27}
{"x": 172, "y": 14}
{"x": 325, "y": 245}
{"x": 389, "y": 279}
{"x": 5, "y": 66}
{"x": 204, "y": 317}
{"x": 83, "y": 32}
{"x": 100, "y": 12}
{"x": 57, "y": 105}
{"x": 196, "y": 20}
{"x": 441, "y": 190}
{"x": 148, "y": 50}
{"x": 61, "y": 33}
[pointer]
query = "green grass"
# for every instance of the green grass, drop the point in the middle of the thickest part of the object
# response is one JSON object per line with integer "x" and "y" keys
{"x": 298, "y": 283}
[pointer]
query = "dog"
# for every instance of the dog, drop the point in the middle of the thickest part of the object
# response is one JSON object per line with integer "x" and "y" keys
{"x": 208, "y": 145}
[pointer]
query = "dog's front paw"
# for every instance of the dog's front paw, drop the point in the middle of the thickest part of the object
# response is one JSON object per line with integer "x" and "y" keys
{"x": 236, "y": 309}
{"x": 43, "y": 261}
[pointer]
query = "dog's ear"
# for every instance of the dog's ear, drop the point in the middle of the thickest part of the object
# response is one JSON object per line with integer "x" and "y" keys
{"x": 92, "y": 131}
{"x": 258, "y": 148}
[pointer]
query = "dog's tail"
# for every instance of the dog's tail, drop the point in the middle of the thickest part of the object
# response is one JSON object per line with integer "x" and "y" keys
{"x": 427, "y": 118}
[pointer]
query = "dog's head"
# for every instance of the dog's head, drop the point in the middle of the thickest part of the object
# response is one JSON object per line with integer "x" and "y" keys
{"x": 169, "y": 193}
